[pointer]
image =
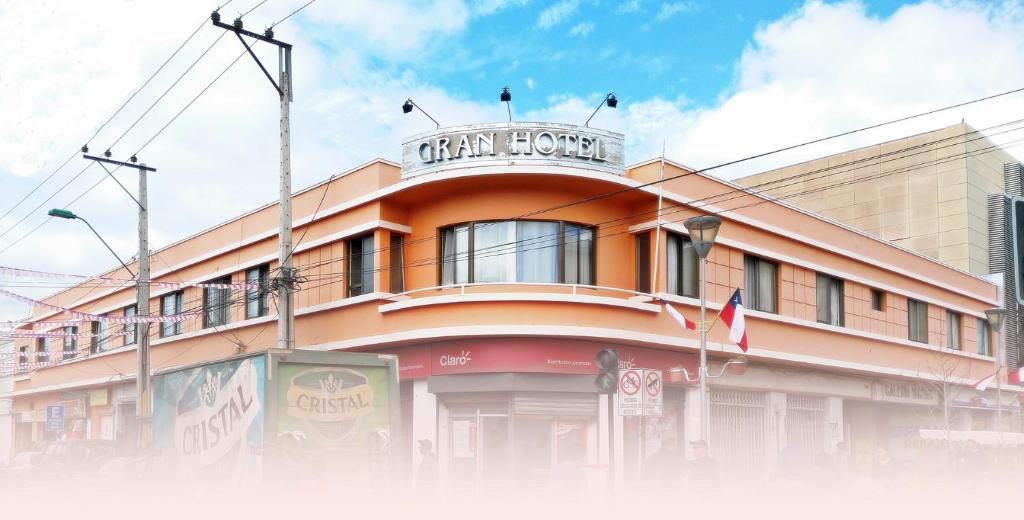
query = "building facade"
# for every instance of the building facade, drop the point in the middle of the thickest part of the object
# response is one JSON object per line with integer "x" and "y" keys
{"x": 497, "y": 260}
{"x": 944, "y": 193}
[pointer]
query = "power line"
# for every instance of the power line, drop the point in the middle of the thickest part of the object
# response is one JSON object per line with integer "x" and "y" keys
{"x": 112, "y": 116}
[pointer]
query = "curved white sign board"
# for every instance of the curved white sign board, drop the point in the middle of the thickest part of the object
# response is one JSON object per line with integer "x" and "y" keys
{"x": 541, "y": 144}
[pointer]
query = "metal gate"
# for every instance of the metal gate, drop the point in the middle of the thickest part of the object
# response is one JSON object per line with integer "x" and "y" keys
{"x": 738, "y": 427}
{"x": 806, "y": 424}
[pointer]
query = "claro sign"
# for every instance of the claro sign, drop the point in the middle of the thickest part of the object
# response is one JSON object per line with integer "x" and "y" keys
{"x": 513, "y": 144}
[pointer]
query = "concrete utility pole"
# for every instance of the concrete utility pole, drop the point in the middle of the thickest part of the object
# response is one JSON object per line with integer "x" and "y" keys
{"x": 143, "y": 397}
{"x": 286, "y": 279}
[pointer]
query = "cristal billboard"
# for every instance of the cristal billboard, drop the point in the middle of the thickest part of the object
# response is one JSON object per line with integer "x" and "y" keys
{"x": 335, "y": 414}
{"x": 208, "y": 420}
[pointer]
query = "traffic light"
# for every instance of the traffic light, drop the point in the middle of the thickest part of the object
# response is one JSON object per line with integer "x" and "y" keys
{"x": 607, "y": 379}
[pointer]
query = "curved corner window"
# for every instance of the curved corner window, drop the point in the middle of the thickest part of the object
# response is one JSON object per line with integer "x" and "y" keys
{"x": 517, "y": 251}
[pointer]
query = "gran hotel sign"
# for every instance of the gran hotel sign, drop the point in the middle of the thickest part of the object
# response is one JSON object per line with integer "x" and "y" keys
{"x": 513, "y": 144}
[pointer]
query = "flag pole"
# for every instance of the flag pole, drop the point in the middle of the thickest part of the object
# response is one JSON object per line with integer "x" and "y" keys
{"x": 657, "y": 227}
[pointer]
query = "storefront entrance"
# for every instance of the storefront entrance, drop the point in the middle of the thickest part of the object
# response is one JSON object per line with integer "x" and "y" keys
{"x": 479, "y": 451}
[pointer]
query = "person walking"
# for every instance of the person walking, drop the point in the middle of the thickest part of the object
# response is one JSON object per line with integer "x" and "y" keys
{"x": 426, "y": 474}
{"x": 703, "y": 470}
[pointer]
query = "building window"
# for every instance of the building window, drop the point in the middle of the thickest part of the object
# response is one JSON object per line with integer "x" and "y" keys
{"x": 171, "y": 304}
{"x": 643, "y": 262}
{"x": 99, "y": 337}
{"x": 256, "y": 297}
{"x": 917, "y": 321}
{"x": 360, "y": 265}
{"x": 984, "y": 347}
{"x": 759, "y": 281}
{"x": 830, "y": 300}
{"x": 131, "y": 330}
{"x": 682, "y": 266}
{"x": 877, "y": 300}
{"x": 216, "y": 304}
{"x": 23, "y": 355}
{"x": 70, "y": 342}
{"x": 517, "y": 251}
{"x": 578, "y": 255}
{"x": 41, "y": 354}
{"x": 397, "y": 264}
{"x": 953, "y": 322}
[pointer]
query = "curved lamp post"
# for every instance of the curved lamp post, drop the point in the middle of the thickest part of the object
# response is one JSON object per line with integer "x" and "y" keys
{"x": 996, "y": 317}
{"x": 65, "y": 214}
{"x": 703, "y": 231}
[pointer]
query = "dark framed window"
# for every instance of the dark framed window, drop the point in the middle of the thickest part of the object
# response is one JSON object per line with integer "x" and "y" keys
{"x": 256, "y": 304}
{"x": 23, "y": 355}
{"x": 99, "y": 341}
{"x": 829, "y": 300}
{"x": 681, "y": 265}
{"x": 131, "y": 330}
{"x": 217, "y": 304}
{"x": 41, "y": 354}
{"x": 396, "y": 264}
{"x": 70, "y": 342}
{"x": 360, "y": 266}
{"x": 984, "y": 346}
{"x": 531, "y": 251}
{"x": 954, "y": 321}
{"x": 917, "y": 321}
{"x": 877, "y": 300}
{"x": 171, "y": 304}
{"x": 760, "y": 283}
{"x": 643, "y": 262}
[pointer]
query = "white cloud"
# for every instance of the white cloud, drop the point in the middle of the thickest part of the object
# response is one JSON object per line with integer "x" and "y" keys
{"x": 557, "y": 13}
{"x": 581, "y": 29}
{"x": 530, "y": 84}
{"x": 670, "y": 9}
{"x": 629, "y": 6}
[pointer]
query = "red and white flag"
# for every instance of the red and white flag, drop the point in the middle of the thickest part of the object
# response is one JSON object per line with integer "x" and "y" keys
{"x": 687, "y": 324}
{"x": 984, "y": 383}
{"x": 732, "y": 315}
{"x": 1015, "y": 376}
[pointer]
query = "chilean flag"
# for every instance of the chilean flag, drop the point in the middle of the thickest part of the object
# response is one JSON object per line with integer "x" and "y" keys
{"x": 1014, "y": 377}
{"x": 687, "y": 324}
{"x": 984, "y": 383}
{"x": 732, "y": 315}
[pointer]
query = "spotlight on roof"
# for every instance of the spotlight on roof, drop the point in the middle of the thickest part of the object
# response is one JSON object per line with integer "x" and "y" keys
{"x": 107, "y": 153}
{"x": 609, "y": 100}
{"x": 238, "y": 23}
{"x": 133, "y": 159}
{"x": 506, "y": 96}
{"x": 409, "y": 105}
{"x": 85, "y": 148}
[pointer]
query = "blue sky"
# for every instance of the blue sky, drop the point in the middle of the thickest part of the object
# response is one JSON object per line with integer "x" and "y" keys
{"x": 711, "y": 81}
{"x": 639, "y": 49}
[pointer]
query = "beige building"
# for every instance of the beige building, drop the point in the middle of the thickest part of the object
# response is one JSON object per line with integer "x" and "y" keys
{"x": 926, "y": 192}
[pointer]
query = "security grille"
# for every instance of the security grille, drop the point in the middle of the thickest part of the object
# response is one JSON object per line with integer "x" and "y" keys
{"x": 806, "y": 423}
{"x": 738, "y": 432}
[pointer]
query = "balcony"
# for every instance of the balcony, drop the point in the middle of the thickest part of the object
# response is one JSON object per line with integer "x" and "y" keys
{"x": 520, "y": 292}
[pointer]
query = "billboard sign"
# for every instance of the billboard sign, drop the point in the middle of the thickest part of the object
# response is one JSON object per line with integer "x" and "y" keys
{"x": 209, "y": 418}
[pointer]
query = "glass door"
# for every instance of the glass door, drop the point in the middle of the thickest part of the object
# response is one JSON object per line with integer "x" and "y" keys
{"x": 479, "y": 452}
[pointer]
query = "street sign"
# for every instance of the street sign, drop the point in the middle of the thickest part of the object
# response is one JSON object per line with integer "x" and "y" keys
{"x": 653, "y": 391}
{"x": 55, "y": 418}
{"x": 631, "y": 396}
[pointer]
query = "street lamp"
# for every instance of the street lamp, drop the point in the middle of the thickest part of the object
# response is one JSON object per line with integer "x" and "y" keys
{"x": 995, "y": 322}
{"x": 409, "y": 105}
{"x": 703, "y": 231}
{"x": 65, "y": 214}
{"x": 736, "y": 366}
{"x": 610, "y": 100}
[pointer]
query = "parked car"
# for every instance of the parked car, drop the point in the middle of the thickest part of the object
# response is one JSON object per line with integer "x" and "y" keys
{"x": 75, "y": 457}
{"x": 21, "y": 464}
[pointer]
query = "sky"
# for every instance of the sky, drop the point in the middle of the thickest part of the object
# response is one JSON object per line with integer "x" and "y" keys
{"x": 712, "y": 81}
